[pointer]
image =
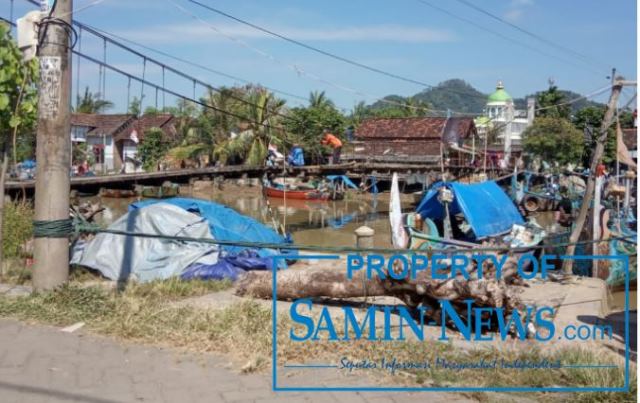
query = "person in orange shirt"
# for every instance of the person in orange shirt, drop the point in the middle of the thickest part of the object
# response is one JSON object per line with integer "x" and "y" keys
{"x": 331, "y": 140}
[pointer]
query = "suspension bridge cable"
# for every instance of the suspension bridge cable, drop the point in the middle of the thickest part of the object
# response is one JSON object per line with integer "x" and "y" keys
{"x": 145, "y": 82}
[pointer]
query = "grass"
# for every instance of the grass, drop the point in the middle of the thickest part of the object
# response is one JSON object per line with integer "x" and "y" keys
{"x": 17, "y": 227}
{"x": 147, "y": 313}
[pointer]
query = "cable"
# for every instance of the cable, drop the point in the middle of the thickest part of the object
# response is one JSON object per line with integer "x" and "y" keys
{"x": 300, "y": 71}
{"x": 176, "y": 94}
{"x": 529, "y": 33}
{"x": 188, "y": 62}
{"x": 317, "y": 50}
{"x": 505, "y": 37}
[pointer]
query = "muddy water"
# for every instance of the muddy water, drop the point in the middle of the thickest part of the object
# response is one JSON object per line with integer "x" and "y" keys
{"x": 328, "y": 223}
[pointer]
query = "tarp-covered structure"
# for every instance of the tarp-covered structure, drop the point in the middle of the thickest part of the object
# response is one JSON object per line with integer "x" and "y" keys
{"x": 123, "y": 257}
{"x": 485, "y": 206}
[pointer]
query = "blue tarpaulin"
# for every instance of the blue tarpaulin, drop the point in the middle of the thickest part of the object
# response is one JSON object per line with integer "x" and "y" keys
{"x": 485, "y": 206}
{"x": 296, "y": 157}
{"x": 227, "y": 224}
{"x": 343, "y": 178}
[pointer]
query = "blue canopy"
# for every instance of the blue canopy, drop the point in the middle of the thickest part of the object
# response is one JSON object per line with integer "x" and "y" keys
{"x": 486, "y": 207}
{"x": 226, "y": 224}
{"x": 296, "y": 157}
{"x": 343, "y": 178}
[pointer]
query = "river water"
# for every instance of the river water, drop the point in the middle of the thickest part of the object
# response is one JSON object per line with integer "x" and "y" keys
{"x": 322, "y": 223}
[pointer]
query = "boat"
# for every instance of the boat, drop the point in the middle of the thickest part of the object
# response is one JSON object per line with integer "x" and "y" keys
{"x": 454, "y": 216}
{"x": 312, "y": 194}
{"x": 295, "y": 190}
{"x": 545, "y": 196}
{"x": 622, "y": 241}
{"x": 117, "y": 193}
{"x": 167, "y": 189}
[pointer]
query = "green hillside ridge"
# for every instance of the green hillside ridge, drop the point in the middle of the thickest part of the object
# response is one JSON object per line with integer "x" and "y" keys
{"x": 460, "y": 96}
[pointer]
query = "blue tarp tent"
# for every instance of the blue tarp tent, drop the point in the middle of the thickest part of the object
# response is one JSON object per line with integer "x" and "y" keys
{"x": 296, "y": 157}
{"x": 486, "y": 207}
{"x": 227, "y": 224}
{"x": 343, "y": 178}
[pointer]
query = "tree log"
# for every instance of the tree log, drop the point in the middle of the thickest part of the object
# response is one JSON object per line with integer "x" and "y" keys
{"x": 333, "y": 283}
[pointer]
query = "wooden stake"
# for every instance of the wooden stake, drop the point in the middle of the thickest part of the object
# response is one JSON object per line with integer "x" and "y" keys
{"x": 595, "y": 160}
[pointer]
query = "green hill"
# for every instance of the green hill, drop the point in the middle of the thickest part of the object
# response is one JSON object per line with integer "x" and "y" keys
{"x": 460, "y": 96}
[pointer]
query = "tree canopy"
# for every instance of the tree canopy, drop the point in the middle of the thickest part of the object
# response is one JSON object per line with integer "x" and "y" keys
{"x": 554, "y": 140}
{"x": 18, "y": 98}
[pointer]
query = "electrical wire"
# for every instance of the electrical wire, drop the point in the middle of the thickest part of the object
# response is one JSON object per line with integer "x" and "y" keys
{"x": 529, "y": 33}
{"x": 313, "y": 48}
{"x": 502, "y": 36}
{"x": 301, "y": 72}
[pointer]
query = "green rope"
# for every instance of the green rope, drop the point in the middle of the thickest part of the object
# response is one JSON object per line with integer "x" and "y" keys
{"x": 53, "y": 228}
{"x": 83, "y": 228}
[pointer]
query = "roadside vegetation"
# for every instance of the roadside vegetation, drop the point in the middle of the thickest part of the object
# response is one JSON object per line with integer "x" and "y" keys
{"x": 148, "y": 313}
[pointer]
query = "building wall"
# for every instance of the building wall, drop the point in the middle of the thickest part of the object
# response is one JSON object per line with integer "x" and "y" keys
{"x": 107, "y": 141}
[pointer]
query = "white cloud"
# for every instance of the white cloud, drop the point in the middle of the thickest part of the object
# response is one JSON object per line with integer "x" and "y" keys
{"x": 376, "y": 33}
{"x": 517, "y": 9}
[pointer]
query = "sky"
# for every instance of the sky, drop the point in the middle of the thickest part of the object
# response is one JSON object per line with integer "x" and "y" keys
{"x": 407, "y": 38}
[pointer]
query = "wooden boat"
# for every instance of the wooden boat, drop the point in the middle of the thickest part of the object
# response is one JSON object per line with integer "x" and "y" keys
{"x": 167, "y": 189}
{"x": 456, "y": 216}
{"x": 117, "y": 193}
{"x": 304, "y": 194}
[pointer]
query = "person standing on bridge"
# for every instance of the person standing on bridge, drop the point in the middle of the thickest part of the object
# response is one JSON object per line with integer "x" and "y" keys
{"x": 334, "y": 142}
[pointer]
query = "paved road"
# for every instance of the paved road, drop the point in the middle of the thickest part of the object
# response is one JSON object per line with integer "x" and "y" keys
{"x": 43, "y": 364}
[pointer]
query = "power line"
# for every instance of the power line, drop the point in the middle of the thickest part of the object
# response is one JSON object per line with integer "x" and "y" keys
{"x": 300, "y": 71}
{"x": 296, "y": 68}
{"x": 529, "y": 33}
{"x": 318, "y": 50}
{"x": 505, "y": 37}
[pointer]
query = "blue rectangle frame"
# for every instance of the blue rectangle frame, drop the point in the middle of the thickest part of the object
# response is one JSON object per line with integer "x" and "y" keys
{"x": 276, "y": 388}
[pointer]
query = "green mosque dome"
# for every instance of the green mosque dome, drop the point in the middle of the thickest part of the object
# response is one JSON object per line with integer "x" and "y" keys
{"x": 500, "y": 95}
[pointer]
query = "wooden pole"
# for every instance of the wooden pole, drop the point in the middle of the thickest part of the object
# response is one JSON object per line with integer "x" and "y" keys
{"x": 595, "y": 160}
{"x": 52, "y": 150}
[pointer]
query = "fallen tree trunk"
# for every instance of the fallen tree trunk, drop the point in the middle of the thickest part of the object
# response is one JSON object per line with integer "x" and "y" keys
{"x": 332, "y": 282}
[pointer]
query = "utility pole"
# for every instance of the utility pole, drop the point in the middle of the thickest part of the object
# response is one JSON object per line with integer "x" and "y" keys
{"x": 51, "y": 251}
{"x": 567, "y": 265}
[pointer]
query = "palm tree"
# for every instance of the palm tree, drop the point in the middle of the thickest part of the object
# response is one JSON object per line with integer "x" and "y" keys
{"x": 319, "y": 100}
{"x": 91, "y": 103}
{"x": 359, "y": 113}
{"x": 262, "y": 111}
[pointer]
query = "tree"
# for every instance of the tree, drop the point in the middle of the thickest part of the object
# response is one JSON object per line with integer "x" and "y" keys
{"x": 554, "y": 139}
{"x": 18, "y": 104}
{"x": 135, "y": 106}
{"x": 91, "y": 103}
{"x": 548, "y": 103}
{"x": 152, "y": 148}
{"x": 319, "y": 100}
{"x": 305, "y": 125}
{"x": 262, "y": 111}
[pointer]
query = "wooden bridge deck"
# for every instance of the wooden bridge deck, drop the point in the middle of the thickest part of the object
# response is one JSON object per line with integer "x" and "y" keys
{"x": 123, "y": 181}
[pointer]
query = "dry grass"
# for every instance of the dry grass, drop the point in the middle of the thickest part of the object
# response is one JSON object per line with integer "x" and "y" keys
{"x": 146, "y": 313}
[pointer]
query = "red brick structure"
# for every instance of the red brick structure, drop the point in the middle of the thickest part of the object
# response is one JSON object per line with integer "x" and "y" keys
{"x": 412, "y": 139}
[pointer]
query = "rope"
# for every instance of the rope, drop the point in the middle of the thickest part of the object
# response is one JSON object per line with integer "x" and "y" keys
{"x": 94, "y": 229}
{"x": 53, "y": 228}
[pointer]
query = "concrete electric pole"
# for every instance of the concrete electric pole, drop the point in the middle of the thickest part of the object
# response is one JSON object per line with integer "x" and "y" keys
{"x": 51, "y": 251}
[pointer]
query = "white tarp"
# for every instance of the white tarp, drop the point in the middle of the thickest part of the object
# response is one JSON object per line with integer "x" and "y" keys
{"x": 399, "y": 237}
{"x": 120, "y": 257}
